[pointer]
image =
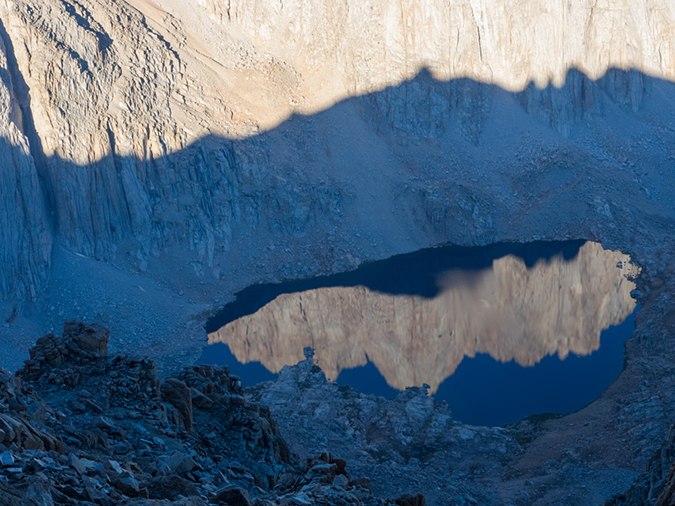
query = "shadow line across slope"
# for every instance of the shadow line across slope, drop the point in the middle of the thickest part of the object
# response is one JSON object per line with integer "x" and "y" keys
{"x": 423, "y": 163}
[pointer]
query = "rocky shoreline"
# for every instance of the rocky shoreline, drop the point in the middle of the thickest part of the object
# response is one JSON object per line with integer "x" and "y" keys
{"x": 79, "y": 426}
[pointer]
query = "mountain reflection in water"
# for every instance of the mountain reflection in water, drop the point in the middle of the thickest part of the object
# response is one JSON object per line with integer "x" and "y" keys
{"x": 515, "y": 308}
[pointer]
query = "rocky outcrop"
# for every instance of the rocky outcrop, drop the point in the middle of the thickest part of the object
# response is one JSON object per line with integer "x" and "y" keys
{"x": 398, "y": 443}
{"x": 176, "y": 393}
{"x": 91, "y": 338}
{"x": 510, "y": 311}
{"x": 80, "y": 427}
{"x": 22, "y": 431}
{"x": 656, "y": 485}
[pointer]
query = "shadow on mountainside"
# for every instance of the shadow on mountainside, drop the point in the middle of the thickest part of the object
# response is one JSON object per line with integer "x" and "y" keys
{"x": 457, "y": 162}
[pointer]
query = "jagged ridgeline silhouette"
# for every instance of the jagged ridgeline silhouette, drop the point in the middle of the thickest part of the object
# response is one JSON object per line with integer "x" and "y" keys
{"x": 288, "y": 183}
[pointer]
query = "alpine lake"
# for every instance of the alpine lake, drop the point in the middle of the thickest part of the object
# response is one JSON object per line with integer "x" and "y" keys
{"x": 500, "y": 332}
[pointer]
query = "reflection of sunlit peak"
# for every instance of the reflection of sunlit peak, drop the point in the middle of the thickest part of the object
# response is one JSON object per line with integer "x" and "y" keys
{"x": 510, "y": 311}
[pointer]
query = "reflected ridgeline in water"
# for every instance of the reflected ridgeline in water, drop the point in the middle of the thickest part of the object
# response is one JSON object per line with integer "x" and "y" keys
{"x": 517, "y": 308}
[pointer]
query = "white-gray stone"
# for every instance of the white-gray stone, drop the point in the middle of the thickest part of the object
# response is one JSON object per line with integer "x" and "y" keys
{"x": 6, "y": 459}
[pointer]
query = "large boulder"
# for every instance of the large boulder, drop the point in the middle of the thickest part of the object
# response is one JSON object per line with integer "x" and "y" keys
{"x": 89, "y": 337}
{"x": 178, "y": 395}
{"x": 233, "y": 496}
{"x": 170, "y": 487}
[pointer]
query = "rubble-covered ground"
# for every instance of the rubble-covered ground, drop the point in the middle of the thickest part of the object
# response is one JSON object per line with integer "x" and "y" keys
{"x": 78, "y": 426}
{"x": 400, "y": 443}
{"x": 596, "y": 454}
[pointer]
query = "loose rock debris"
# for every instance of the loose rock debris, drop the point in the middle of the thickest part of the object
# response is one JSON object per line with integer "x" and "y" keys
{"x": 78, "y": 426}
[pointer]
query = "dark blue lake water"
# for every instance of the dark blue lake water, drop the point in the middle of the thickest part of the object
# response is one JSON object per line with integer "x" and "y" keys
{"x": 499, "y": 332}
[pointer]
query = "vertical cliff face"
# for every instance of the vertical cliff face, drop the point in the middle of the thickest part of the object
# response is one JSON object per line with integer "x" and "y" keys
{"x": 102, "y": 116}
{"x": 505, "y": 42}
{"x": 365, "y": 47}
{"x": 25, "y": 232}
{"x": 275, "y": 139}
{"x": 136, "y": 130}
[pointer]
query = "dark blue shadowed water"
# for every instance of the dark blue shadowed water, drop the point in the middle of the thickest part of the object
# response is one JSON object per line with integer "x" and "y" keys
{"x": 368, "y": 380}
{"x": 249, "y": 374}
{"x": 481, "y": 391}
{"x": 409, "y": 274}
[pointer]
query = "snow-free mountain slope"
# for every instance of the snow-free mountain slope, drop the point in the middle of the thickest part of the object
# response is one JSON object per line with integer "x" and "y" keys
{"x": 188, "y": 149}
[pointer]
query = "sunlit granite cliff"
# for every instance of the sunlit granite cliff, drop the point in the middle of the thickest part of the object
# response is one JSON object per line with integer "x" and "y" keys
{"x": 510, "y": 311}
{"x": 367, "y": 46}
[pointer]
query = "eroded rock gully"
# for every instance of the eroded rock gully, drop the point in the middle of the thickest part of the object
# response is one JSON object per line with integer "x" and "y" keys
{"x": 158, "y": 154}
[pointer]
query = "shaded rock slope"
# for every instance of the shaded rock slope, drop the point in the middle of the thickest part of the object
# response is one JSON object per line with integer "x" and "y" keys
{"x": 401, "y": 443}
{"x": 78, "y": 426}
{"x": 156, "y": 156}
{"x": 656, "y": 485}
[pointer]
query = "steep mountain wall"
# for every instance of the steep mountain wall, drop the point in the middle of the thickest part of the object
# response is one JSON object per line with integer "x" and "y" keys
{"x": 370, "y": 45}
{"x": 210, "y": 145}
{"x": 189, "y": 149}
{"x": 366, "y": 47}
{"x": 25, "y": 231}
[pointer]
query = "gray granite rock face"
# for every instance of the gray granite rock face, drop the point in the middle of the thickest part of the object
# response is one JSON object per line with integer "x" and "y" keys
{"x": 167, "y": 138}
{"x": 25, "y": 227}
